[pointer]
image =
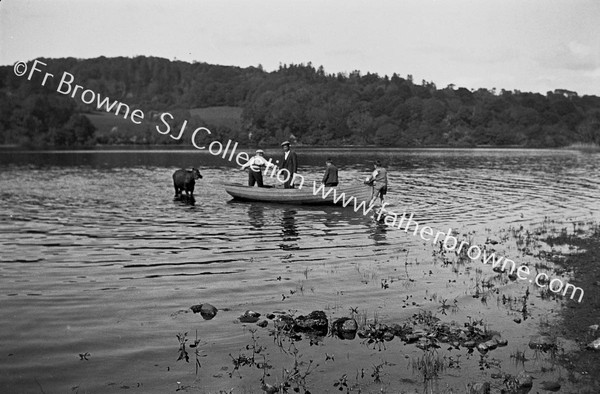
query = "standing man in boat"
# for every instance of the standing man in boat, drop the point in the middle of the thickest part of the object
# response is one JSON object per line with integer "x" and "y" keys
{"x": 330, "y": 178}
{"x": 255, "y": 166}
{"x": 378, "y": 180}
{"x": 290, "y": 163}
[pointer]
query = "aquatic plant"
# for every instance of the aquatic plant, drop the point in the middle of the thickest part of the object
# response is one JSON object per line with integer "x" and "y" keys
{"x": 196, "y": 352}
{"x": 378, "y": 371}
{"x": 84, "y": 356}
{"x": 295, "y": 377}
{"x": 342, "y": 384}
{"x": 183, "y": 354}
{"x": 429, "y": 365}
{"x": 243, "y": 359}
{"x": 454, "y": 307}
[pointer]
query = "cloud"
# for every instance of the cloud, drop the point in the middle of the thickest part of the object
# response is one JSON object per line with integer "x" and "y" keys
{"x": 571, "y": 56}
{"x": 265, "y": 36}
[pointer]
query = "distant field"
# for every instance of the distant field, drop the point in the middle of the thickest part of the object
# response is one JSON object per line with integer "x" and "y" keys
{"x": 105, "y": 122}
{"x": 115, "y": 129}
{"x": 220, "y": 116}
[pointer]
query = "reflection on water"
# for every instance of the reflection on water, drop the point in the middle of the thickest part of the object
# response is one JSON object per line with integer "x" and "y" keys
{"x": 289, "y": 229}
{"x": 288, "y": 223}
{"x": 256, "y": 215}
{"x": 378, "y": 231}
{"x": 90, "y": 240}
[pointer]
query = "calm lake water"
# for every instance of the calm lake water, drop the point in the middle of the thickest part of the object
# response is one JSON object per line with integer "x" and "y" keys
{"x": 99, "y": 266}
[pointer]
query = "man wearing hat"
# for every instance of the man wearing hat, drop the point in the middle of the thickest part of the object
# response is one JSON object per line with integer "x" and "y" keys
{"x": 290, "y": 163}
{"x": 255, "y": 165}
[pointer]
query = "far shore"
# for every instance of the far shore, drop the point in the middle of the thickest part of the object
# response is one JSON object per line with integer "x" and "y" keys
{"x": 582, "y": 147}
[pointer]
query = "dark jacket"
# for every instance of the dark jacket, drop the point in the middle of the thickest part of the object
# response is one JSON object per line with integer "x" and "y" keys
{"x": 291, "y": 163}
{"x": 331, "y": 175}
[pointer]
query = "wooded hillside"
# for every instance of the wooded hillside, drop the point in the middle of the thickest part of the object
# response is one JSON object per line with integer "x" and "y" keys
{"x": 296, "y": 101}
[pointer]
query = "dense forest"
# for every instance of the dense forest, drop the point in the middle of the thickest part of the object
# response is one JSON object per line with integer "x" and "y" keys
{"x": 300, "y": 102}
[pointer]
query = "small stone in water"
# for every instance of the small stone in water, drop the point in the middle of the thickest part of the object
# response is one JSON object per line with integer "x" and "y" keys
{"x": 263, "y": 324}
{"x": 249, "y": 317}
{"x": 206, "y": 310}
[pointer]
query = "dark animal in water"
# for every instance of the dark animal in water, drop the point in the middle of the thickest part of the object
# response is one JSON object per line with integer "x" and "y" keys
{"x": 184, "y": 180}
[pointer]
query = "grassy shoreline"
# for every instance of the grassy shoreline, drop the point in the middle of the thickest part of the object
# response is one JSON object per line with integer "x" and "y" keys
{"x": 583, "y": 364}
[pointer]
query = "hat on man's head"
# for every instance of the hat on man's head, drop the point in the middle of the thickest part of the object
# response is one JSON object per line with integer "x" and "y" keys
{"x": 285, "y": 143}
{"x": 329, "y": 160}
{"x": 260, "y": 151}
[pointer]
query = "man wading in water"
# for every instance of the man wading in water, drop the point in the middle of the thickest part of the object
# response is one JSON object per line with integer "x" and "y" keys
{"x": 378, "y": 180}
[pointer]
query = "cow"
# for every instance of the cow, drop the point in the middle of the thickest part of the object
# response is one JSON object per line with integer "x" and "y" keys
{"x": 184, "y": 180}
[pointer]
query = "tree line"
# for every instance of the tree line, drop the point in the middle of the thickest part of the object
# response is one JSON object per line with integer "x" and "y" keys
{"x": 297, "y": 101}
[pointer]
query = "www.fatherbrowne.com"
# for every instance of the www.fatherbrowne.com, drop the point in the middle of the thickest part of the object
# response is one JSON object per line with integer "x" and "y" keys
{"x": 449, "y": 242}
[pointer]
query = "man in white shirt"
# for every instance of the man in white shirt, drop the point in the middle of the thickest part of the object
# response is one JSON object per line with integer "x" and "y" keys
{"x": 255, "y": 166}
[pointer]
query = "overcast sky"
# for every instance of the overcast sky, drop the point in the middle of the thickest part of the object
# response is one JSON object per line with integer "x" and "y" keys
{"x": 528, "y": 45}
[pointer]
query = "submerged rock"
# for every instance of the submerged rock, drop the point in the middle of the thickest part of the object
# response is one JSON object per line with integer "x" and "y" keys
{"x": 249, "y": 317}
{"x": 491, "y": 344}
{"x": 263, "y": 324}
{"x": 541, "y": 342}
{"x": 388, "y": 335}
{"x": 206, "y": 310}
{"x": 594, "y": 345}
{"x": 479, "y": 388}
{"x": 410, "y": 338}
{"x": 470, "y": 344}
{"x": 551, "y": 386}
{"x": 315, "y": 322}
{"x": 345, "y": 328}
{"x": 524, "y": 380}
{"x": 499, "y": 341}
{"x": 269, "y": 389}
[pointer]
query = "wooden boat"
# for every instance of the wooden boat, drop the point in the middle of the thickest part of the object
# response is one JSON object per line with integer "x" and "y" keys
{"x": 305, "y": 195}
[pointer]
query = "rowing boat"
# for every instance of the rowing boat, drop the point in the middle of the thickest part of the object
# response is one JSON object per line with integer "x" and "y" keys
{"x": 306, "y": 195}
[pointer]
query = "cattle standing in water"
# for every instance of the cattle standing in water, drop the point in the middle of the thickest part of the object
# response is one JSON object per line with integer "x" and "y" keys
{"x": 184, "y": 180}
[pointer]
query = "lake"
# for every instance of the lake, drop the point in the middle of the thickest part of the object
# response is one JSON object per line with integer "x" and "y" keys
{"x": 99, "y": 267}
